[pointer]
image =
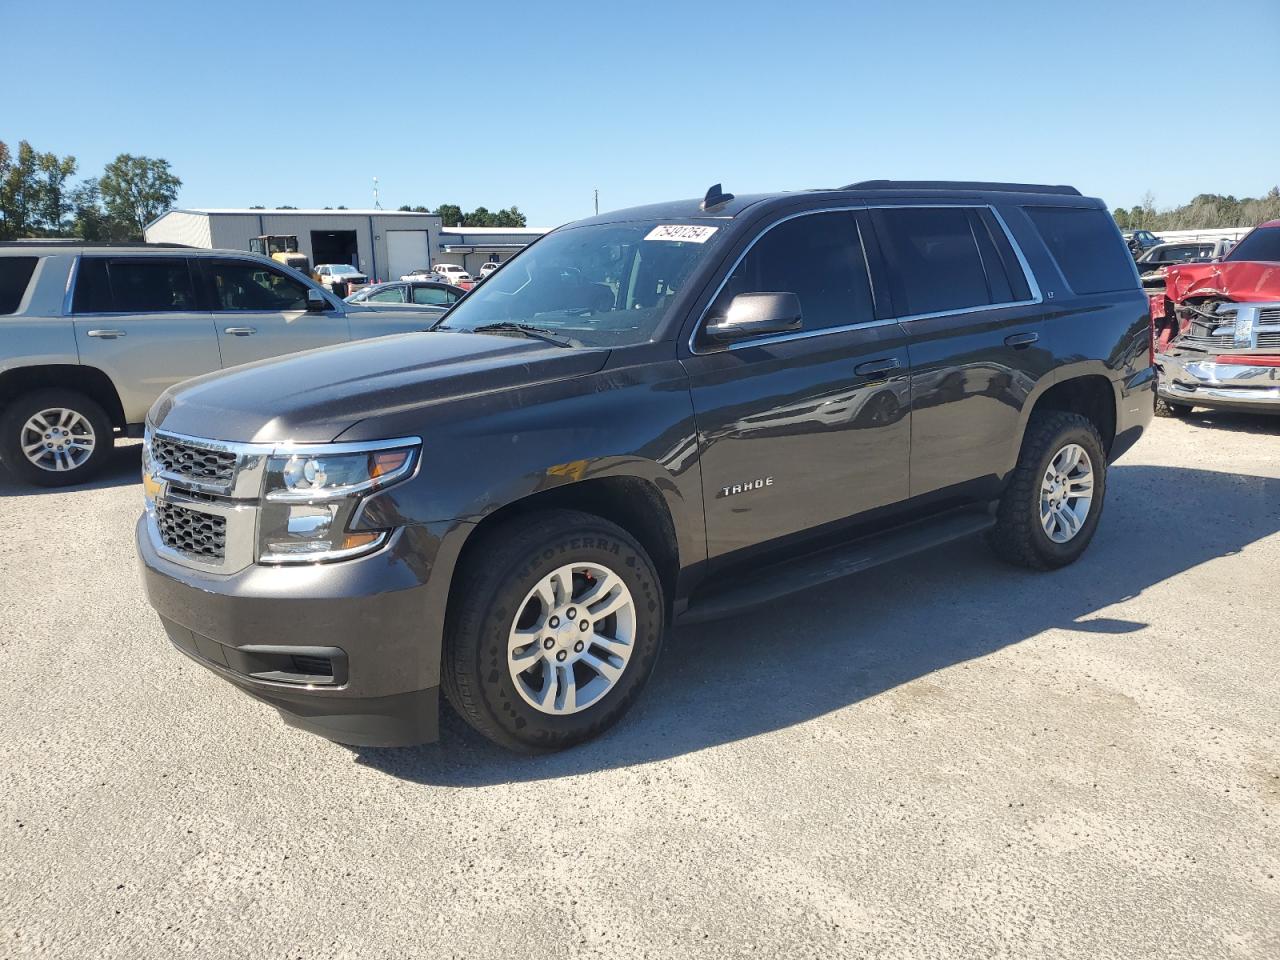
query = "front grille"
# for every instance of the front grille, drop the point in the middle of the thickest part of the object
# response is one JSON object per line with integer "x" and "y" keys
{"x": 1269, "y": 315}
{"x": 1208, "y": 342}
{"x": 198, "y": 535}
{"x": 191, "y": 461}
{"x": 1269, "y": 338}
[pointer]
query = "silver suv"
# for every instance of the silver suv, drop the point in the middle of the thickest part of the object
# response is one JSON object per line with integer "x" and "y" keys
{"x": 90, "y": 335}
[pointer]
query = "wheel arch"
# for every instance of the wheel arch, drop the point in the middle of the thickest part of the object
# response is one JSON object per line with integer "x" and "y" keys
{"x": 1091, "y": 395}
{"x": 90, "y": 381}
{"x": 634, "y": 503}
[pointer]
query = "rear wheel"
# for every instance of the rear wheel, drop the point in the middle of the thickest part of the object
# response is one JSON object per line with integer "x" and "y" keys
{"x": 556, "y": 627}
{"x": 1051, "y": 508}
{"x": 55, "y": 438}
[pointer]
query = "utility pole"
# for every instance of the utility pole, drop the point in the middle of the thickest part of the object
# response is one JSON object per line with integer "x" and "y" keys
{"x": 597, "y": 192}
{"x": 376, "y": 204}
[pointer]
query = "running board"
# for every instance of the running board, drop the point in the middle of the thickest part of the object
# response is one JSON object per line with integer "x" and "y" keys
{"x": 782, "y": 579}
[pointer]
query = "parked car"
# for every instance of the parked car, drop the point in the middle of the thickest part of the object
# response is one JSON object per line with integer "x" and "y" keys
{"x": 1218, "y": 330}
{"x": 1152, "y": 263}
{"x": 451, "y": 273}
{"x": 658, "y": 416}
{"x": 488, "y": 268}
{"x": 342, "y": 278}
{"x": 422, "y": 273}
{"x": 91, "y": 334}
{"x": 1139, "y": 241}
{"x": 417, "y": 293}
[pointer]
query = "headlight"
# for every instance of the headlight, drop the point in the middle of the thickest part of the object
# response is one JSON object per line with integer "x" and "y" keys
{"x": 311, "y": 499}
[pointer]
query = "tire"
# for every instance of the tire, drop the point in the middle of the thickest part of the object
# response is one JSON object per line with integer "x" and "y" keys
{"x": 496, "y": 594}
{"x": 62, "y": 465}
{"x": 1020, "y": 536}
{"x": 1170, "y": 408}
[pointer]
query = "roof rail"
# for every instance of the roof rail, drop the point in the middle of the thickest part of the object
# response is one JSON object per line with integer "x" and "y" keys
{"x": 1060, "y": 189}
{"x": 77, "y": 242}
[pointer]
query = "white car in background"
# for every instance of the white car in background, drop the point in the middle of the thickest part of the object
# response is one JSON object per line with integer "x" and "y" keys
{"x": 488, "y": 268}
{"x": 330, "y": 273}
{"x": 451, "y": 273}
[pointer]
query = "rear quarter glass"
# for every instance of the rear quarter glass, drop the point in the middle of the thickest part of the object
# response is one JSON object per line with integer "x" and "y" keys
{"x": 1086, "y": 246}
{"x": 15, "y": 275}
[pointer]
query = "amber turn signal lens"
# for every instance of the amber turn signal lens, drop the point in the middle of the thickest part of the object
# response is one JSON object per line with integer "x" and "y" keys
{"x": 381, "y": 464}
{"x": 353, "y": 540}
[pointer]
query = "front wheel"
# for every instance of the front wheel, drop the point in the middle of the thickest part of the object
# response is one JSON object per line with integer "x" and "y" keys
{"x": 556, "y": 626}
{"x": 55, "y": 438}
{"x": 1170, "y": 408}
{"x": 1051, "y": 508}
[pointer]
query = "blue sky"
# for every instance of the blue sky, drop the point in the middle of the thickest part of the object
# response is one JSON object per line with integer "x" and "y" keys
{"x": 303, "y": 103}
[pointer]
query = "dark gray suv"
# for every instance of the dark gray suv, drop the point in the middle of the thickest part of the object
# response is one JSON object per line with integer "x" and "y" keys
{"x": 654, "y": 416}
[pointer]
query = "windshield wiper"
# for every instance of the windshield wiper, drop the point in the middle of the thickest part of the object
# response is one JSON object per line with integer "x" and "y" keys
{"x": 525, "y": 329}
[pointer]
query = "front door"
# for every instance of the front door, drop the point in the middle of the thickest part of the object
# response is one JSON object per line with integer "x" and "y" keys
{"x": 140, "y": 321}
{"x": 801, "y": 430}
{"x": 974, "y": 330}
{"x": 261, "y": 312}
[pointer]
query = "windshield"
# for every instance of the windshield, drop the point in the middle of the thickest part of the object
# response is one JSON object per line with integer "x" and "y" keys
{"x": 344, "y": 270}
{"x": 602, "y": 285}
{"x": 1261, "y": 244}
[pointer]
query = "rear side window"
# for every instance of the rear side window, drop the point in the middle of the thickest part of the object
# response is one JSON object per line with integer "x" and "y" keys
{"x": 151, "y": 285}
{"x": 15, "y": 274}
{"x": 432, "y": 296}
{"x": 933, "y": 260}
{"x": 1087, "y": 248}
{"x": 818, "y": 257}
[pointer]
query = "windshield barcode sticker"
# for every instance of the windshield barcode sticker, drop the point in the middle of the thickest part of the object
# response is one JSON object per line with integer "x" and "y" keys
{"x": 681, "y": 231}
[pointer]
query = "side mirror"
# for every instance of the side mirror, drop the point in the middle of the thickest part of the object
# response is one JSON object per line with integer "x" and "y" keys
{"x": 316, "y": 303}
{"x": 756, "y": 314}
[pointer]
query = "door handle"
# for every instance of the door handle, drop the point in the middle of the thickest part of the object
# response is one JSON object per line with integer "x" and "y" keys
{"x": 1021, "y": 339}
{"x": 107, "y": 334}
{"x": 241, "y": 331}
{"x": 874, "y": 367}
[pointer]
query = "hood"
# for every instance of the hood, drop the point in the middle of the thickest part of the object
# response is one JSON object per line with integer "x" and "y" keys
{"x": 314, "y": 396}
{"x": 1245, "y": 281}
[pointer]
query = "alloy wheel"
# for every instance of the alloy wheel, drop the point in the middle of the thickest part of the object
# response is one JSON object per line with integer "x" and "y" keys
{"x": 57, "y": 439}
{"x": 572, "y": 638}
{"x": 1066, "y": 493}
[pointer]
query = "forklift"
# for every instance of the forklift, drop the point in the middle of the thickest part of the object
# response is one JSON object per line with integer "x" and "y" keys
{"x": 282, "y": 249}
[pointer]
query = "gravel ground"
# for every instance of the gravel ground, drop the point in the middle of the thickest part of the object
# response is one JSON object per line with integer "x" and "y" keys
{"x": 942, "y": 758}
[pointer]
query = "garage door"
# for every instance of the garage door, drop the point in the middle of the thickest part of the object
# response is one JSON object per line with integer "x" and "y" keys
{"x": 407, "y": 250}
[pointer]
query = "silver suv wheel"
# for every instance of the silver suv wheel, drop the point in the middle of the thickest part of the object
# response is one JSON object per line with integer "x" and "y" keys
{"x": 57, "y": 439}
{"x": 1066, "y": 493}
{"x": 572, "y": 638}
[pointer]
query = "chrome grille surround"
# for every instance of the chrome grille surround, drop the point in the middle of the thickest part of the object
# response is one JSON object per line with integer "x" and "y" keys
{"x": 1244, "y": 328}
{"x": 195, "y": 462}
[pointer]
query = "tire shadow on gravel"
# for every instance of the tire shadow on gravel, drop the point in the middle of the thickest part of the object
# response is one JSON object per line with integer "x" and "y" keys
{"x": 124, "y": 468}
{"x": 834, "y": 646}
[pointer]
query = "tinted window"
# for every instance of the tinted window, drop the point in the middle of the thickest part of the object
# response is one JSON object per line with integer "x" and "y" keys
{"x": 1019, "y": 289}
{"x": 818, "y": 257}
{"x": 15, "y": 273}
{"x": 240, "y": 285}
{"x": 932, "y": 258}
{"x": 1259, "y": 245}
{"x": 390, "y": 295}
{"x": 1086, "y": 246}
{"x": 432, "y": 296}
{"x": 93, "y": 289}
{"x": 153, "y": 285}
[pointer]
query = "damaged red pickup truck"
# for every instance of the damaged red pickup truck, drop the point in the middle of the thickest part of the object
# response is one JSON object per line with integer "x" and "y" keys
{"x": 1217, "y": 330}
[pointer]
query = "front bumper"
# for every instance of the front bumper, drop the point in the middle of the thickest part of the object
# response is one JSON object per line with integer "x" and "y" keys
{"x": 1201, "y": 381}
{"x": 377, "y": 621}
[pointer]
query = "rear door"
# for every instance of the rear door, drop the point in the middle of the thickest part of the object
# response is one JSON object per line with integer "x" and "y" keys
{"x": 141, "y": 321}
{"x": 974, "y": 324}
{"x": 261, "y": 311}
{"x": 806, "y": 429}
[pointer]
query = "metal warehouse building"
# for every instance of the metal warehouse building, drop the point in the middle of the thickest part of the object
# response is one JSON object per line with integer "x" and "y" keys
{"x": 469, "y": 247}
{"x": 383, "y": 244}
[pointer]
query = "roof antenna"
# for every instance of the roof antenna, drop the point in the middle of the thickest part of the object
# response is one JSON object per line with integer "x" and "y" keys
{"x": 715, "y": 197}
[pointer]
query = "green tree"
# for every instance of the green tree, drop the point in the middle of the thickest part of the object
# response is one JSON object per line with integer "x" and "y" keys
{"x": 450, "y": 214}
{"x": 136, "y": 190}
{"x": 89, "y": 220}
{"x": 510, "y": 217}
{"x": 1121, "y": 217}
{"x": 479, "y": 217}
